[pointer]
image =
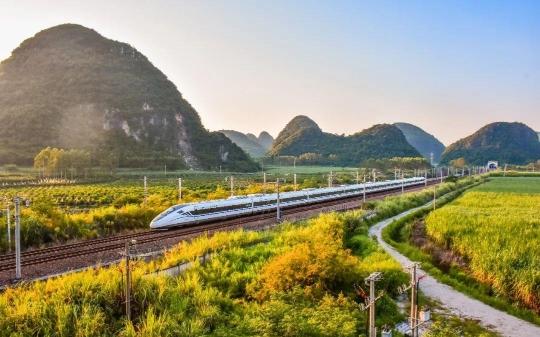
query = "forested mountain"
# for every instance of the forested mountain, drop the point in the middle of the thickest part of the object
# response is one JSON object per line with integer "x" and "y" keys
{"x": 303, "y": 138}
{"x": 248, "y": 142}
{"x": 422, "y": 141}
{"x": 70, "y": 87}
{"x": 512, "y": 143}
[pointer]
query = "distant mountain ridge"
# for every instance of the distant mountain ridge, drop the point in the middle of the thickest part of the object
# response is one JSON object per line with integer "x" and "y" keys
{"x": 255, "y": 146}
{"x": 422, "y": 141}
{"x": 511, "y": 143}
{"x": 302, "y": 137}
{"x": 70, "y": 87}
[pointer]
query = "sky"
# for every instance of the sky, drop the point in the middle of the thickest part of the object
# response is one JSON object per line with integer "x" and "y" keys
{"x": 449, "y": 67}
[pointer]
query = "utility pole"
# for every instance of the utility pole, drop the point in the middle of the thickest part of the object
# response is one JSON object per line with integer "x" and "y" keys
{"x": 165, "y": 170}
{"x": 414, "y": 301}
{"x": 357, "y": 177}
{"x": 17, "y": 238}
{"x": 294, "y": 181}
{"x": 413, "y": 286}
{"x": 370, "y": 303}
{"x": 232, "y": 186}
{"x": 128, "y": 278}
{"x": 179, "y": 189}
{"x": 374, "y": 175}
{"x": 441, "y": 175}
{"x": 504, "y": 174}
{"x": 145, "y": 190}
{"x": 425, "y": 177}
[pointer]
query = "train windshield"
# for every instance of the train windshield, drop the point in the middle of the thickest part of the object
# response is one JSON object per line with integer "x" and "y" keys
{"x": 168, "y": 211}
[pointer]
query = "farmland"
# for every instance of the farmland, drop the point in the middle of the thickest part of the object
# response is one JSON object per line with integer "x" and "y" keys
{"x": 296, "y": 280}
{"x": 496, "y": 228}
{"x": 60, "y": 213}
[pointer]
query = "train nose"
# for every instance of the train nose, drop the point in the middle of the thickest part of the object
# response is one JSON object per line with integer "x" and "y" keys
{"x": 155, "y": 223}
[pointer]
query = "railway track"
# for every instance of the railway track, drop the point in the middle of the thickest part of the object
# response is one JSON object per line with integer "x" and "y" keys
{"x": 115, "y": 243}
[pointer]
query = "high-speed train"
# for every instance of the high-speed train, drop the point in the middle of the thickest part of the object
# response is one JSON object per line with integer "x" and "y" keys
{"x": 206, "y": 211}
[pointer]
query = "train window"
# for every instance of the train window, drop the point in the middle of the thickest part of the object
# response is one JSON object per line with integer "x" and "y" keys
{"x": 221, "y": 209}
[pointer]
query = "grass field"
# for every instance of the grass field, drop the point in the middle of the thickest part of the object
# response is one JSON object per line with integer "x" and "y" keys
{"x": 511, "y": 185}
{"x": 496, "y": 227}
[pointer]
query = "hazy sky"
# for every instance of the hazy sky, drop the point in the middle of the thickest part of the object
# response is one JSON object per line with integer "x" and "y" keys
{"x": 447, "y": 66}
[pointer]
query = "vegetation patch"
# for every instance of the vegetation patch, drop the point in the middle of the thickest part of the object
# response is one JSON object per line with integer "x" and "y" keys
{"x": 486, "y": 229}
{"x": 256, "y": 283}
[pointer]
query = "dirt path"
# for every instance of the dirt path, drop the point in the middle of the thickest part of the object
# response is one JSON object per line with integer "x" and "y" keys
{"x": 458, "y": 303}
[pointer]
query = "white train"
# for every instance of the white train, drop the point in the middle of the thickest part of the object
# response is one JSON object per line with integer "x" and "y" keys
{"x": 207, "y": 211}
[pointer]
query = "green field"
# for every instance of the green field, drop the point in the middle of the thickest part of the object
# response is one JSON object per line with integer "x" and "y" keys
{"x": 496, "y": 227}
{"x": 511, "y": 185}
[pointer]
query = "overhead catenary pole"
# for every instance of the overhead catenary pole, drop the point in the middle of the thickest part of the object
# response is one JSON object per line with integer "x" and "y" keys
{"x": 402, "y": 183}
{"x": 330, "y": 178}
{"x": 179, "y": 189}
{"x": 357, "y": 177}
{"x": 364, "y": 191}
{"x": 434, "y": 195}
{"x": 425, "y": 177}
{"x": 278, "y": 209}
{"x": 8, "y": 223}
{"x": 294, "y": 177}
{"x": 145, "y": 189}
{"x": 17, "y": 238}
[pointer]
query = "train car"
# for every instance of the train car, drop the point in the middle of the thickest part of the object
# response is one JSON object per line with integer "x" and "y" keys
{"x": 207, "y": 211}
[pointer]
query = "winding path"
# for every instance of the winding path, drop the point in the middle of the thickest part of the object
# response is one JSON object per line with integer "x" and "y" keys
{"x": 458, "y": 303}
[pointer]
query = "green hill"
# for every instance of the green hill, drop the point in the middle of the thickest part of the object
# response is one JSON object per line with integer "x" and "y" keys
{"x": 422, "y": 141}
{"x": 512, "y": 143}
{"x": 303, "y": 138}
{"x": 248, "y": 142}
{"x": 266, "y": 140}
{"x": 70, "y": 87}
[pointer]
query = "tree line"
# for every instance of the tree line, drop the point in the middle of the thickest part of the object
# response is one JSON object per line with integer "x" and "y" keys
{"x": 54, "y": 161}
